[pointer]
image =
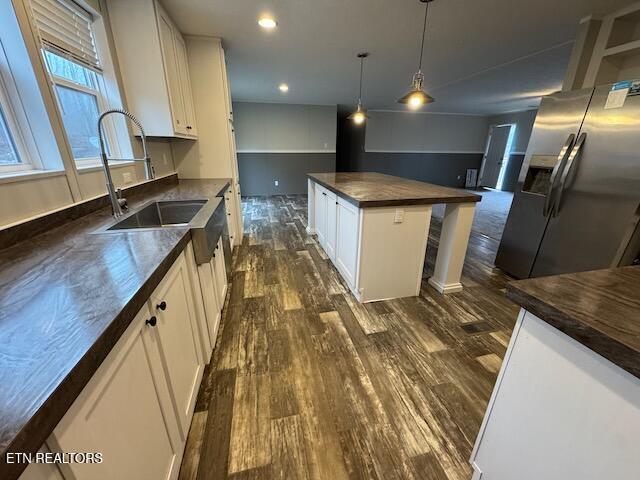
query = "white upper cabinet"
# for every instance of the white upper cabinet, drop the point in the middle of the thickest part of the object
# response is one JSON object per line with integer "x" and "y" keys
{"x": 153, "y": 62}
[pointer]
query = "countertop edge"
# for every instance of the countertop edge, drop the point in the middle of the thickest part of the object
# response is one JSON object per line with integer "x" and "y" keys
{"x": 604, "y": 345}
{"x": 393, "y": 203}
{"x": 40, "y": 426}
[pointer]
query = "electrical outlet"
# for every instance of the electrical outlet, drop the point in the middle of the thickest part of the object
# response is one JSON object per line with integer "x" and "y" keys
{"x": 126, "y": 178}
{"x": 399, "y": 216}
{"x": 275, "y": 182}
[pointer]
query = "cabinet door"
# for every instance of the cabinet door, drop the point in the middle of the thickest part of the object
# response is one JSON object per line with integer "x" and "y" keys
{"x": 167, "y": 41}
{"x": 206, "y": 274}
{"x": 185, "y": 85}
{"x": 330, "y": 231}
{"x": 230, "y": 210}
{"x": 347, "y": 240}
{"x": 220, "y": 271}
{"x": 321, "y": 213}
{"x": 238, "y": 206}
{"x": 125, "y": 413}
{"x": 177, "y": 335}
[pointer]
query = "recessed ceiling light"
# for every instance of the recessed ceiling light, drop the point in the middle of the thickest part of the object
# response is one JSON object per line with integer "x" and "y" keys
{"x": 284, "y": 88}
{"x": 267, "y": 23}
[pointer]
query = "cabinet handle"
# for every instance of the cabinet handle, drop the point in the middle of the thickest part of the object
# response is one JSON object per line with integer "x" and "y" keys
{"x": 217, "y": 246}
{"x": 189, "y": 127}
{"x": 336, "y": 203}
{"x": 162, "y": 305}
{"x": 214, "y": 255}
{"x": 151, "y": 321}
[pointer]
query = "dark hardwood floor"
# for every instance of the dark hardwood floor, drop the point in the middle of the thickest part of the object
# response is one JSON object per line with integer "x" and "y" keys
{"x": 307, "y": 383}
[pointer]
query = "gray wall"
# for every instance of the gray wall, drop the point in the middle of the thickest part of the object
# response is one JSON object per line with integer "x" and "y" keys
{"x": 283, "y": 128}
{"x": 411, "y": 132}
{"x": 512, "y": 172}
{"x": 442, "y": 168}
{"x": 283, "y": 142}
{"x": 259, "y": 171}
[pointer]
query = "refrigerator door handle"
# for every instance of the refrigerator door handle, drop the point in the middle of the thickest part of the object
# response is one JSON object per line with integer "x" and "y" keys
{"x": 562, "y": 158}
{"x": 577, "y": 149}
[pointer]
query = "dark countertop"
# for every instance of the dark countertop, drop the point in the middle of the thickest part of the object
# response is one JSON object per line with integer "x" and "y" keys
{"x": 599, "y": 309}
{"x": 66, "y": 297}
{"x": 369, "y": 189}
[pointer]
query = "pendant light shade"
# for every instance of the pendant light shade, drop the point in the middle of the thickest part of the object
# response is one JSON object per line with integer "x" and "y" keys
{"x": 360, "y": 115}
{"x": 417, "y": 96}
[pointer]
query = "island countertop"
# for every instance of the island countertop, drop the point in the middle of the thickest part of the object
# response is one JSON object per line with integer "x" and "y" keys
{"x": 600, "y": 309}
{"x": 66, "y": 297}
{"x": 370, "y": 189}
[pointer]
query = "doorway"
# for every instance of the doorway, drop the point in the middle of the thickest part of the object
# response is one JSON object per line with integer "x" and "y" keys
{"x": 496, "y": 155}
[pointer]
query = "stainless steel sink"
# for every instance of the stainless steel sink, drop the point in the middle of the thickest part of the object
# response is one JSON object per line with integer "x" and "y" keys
{"x": 165, "y": 213}
{"x": 205, "y": 219}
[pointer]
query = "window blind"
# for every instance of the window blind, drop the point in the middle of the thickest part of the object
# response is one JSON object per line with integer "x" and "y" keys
{"x": 65, "y": 28}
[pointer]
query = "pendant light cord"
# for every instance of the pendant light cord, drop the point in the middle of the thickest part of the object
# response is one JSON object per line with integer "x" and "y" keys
{"x": 361, "y": 67}
{"x": 424, "y": 30}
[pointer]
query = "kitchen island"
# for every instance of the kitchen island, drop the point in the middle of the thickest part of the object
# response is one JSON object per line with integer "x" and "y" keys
{"x": 566, "y": 404}
{"x": 374, "y": 227}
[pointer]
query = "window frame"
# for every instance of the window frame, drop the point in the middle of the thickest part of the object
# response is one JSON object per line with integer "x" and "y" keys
{"x": 16, "y": 136}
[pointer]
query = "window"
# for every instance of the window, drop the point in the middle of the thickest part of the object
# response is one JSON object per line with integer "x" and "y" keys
{"x": 71, "y": 58}
{"x": 80, "y": 101}
{"x": 13, "y": 155}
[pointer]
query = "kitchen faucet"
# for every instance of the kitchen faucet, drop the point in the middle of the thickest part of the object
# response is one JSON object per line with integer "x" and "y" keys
{"x": 117, "y": 202}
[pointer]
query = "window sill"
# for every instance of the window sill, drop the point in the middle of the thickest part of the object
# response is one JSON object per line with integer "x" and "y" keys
{"x": 26, "y": 175}
{"x": 92, "y": 167}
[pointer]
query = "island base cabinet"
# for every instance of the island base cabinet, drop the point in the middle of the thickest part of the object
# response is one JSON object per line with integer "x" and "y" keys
{"x": 558, "y": 411}
{"x": 124, "y": 413}
{"x": 346, "y": 251}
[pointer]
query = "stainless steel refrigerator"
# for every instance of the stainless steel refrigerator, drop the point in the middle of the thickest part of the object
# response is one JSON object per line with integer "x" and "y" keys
{"x": 577, "y": 202}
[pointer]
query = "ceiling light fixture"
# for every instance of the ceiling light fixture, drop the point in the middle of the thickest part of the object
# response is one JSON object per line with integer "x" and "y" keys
{"x": 360, "y": 115}
{"x": 284, "y": 88}
{"x": 267, "y": 23}
{"x": 417, "y": 96}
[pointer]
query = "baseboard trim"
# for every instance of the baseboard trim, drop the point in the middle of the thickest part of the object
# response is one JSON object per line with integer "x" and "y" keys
{"x": 444, "y": 289}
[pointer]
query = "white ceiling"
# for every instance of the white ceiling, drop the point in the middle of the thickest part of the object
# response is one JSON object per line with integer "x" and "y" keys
{"x": 481, "y": 56}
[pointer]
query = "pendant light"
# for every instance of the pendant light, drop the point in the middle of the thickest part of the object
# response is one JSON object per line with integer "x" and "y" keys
{"x": 417, "y": 96}
{"x": 360, "y": 115}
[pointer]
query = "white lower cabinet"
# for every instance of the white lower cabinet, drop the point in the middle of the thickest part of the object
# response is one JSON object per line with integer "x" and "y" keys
{"x": 213, "y": 284}
{"x": 321, "y": 213}
{"x": 331, "y": 209}
{"x": 178, "y": 340}
{"x": 346, "y": 250}
{"x": 125, "y": 413}
{"x": 220, "y": 271}
{"x": 230, "y": 210}
{"x": 137, "y": 408}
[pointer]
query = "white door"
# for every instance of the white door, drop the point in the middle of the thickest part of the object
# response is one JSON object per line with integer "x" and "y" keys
{"x": 347, "y": 240}
{"x": 494, "y": 156}
{"x": 177, "y": 334}
{"x": 185, "y": 85}
{"x": 171, "y": 71}
{"x": 330, "y": 231}
{"x": 125, "y": 413}
{"x": 321, "y": 213}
